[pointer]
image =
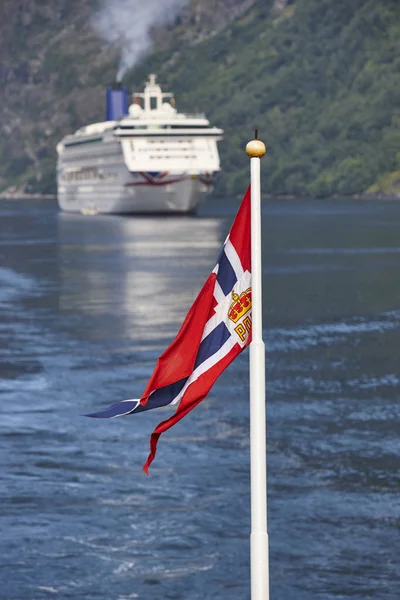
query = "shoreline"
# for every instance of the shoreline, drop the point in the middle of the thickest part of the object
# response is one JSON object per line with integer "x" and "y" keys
{"x": 22, "y": 196}
{"x": 362, "y": 197}
{"x": 394, "y": 196}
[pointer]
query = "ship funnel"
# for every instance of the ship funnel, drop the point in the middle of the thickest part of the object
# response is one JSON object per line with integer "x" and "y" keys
{"x": 117, "y": 102}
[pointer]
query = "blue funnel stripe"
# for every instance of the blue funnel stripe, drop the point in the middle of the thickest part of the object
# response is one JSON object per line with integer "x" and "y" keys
{"x": 117, "y": 103}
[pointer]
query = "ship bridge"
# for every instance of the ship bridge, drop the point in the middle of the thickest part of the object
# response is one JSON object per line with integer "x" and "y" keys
{"x": 153, "y": 103}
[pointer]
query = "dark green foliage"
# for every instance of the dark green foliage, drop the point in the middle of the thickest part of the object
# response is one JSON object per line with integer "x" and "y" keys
{"x": 320, "y": 80}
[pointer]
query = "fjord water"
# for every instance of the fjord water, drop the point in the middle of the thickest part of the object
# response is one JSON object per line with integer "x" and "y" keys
{"x": 86, "y": 306}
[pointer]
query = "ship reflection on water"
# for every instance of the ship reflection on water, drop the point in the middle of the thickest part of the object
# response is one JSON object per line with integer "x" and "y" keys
{"x": 87, "y": 304}
{"x": 134, "y": 277}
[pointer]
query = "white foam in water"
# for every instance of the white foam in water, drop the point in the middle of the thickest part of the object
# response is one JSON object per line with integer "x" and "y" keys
{"x": 124, "y": 567}
{"x": 388, "y": 380}
{"x": 36, "y": 383}
{"x": 13, "y": 285}
{"x": 343, "y": 251}
{"x": 328, "y": 333}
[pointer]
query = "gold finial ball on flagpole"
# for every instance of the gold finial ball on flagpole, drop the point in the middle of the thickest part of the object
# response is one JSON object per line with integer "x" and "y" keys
{"x": 255, "y": 149}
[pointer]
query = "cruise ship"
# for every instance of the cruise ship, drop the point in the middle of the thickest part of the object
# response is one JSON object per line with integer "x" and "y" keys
{"x": 145, "y": 158}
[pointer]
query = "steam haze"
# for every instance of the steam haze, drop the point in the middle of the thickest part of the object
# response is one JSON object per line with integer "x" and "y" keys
{"x": 127, "y": 23}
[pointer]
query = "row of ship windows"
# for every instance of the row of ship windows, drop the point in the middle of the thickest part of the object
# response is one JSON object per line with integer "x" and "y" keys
{"x": 178, "y": 141}
{"x": 88, "y": 174}
{"x": 165, "y": 157}
{"x": 170, "y": 142}
{"x": 77, "y": 152}
{"x": 172, "y": 151}
{"x": 162, "y": 151}
{"x": 155, "y": 127}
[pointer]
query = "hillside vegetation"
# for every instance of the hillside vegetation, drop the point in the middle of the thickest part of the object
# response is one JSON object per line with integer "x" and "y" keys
{"x": 320, "y": 79}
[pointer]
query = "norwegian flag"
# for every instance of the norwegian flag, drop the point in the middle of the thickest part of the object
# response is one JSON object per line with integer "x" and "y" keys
{"x": 216, "y": 329}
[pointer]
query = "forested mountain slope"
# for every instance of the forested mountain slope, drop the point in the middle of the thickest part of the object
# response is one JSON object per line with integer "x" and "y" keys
{"x": 320, "y": 79}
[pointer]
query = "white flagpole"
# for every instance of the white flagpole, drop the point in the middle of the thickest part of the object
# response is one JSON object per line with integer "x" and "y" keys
{"x": 258, "y": 453}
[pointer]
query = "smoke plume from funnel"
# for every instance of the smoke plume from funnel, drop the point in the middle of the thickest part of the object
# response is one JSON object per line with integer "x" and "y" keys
{"x": 127, "y": 23}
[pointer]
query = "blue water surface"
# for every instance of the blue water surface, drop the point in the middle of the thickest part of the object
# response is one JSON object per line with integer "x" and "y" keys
{"x": 87, "y": 304}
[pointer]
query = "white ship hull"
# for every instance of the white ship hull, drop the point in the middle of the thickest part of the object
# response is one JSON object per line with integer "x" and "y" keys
{"x": 182, "y": 195}
{"x": 151, "y": 160}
